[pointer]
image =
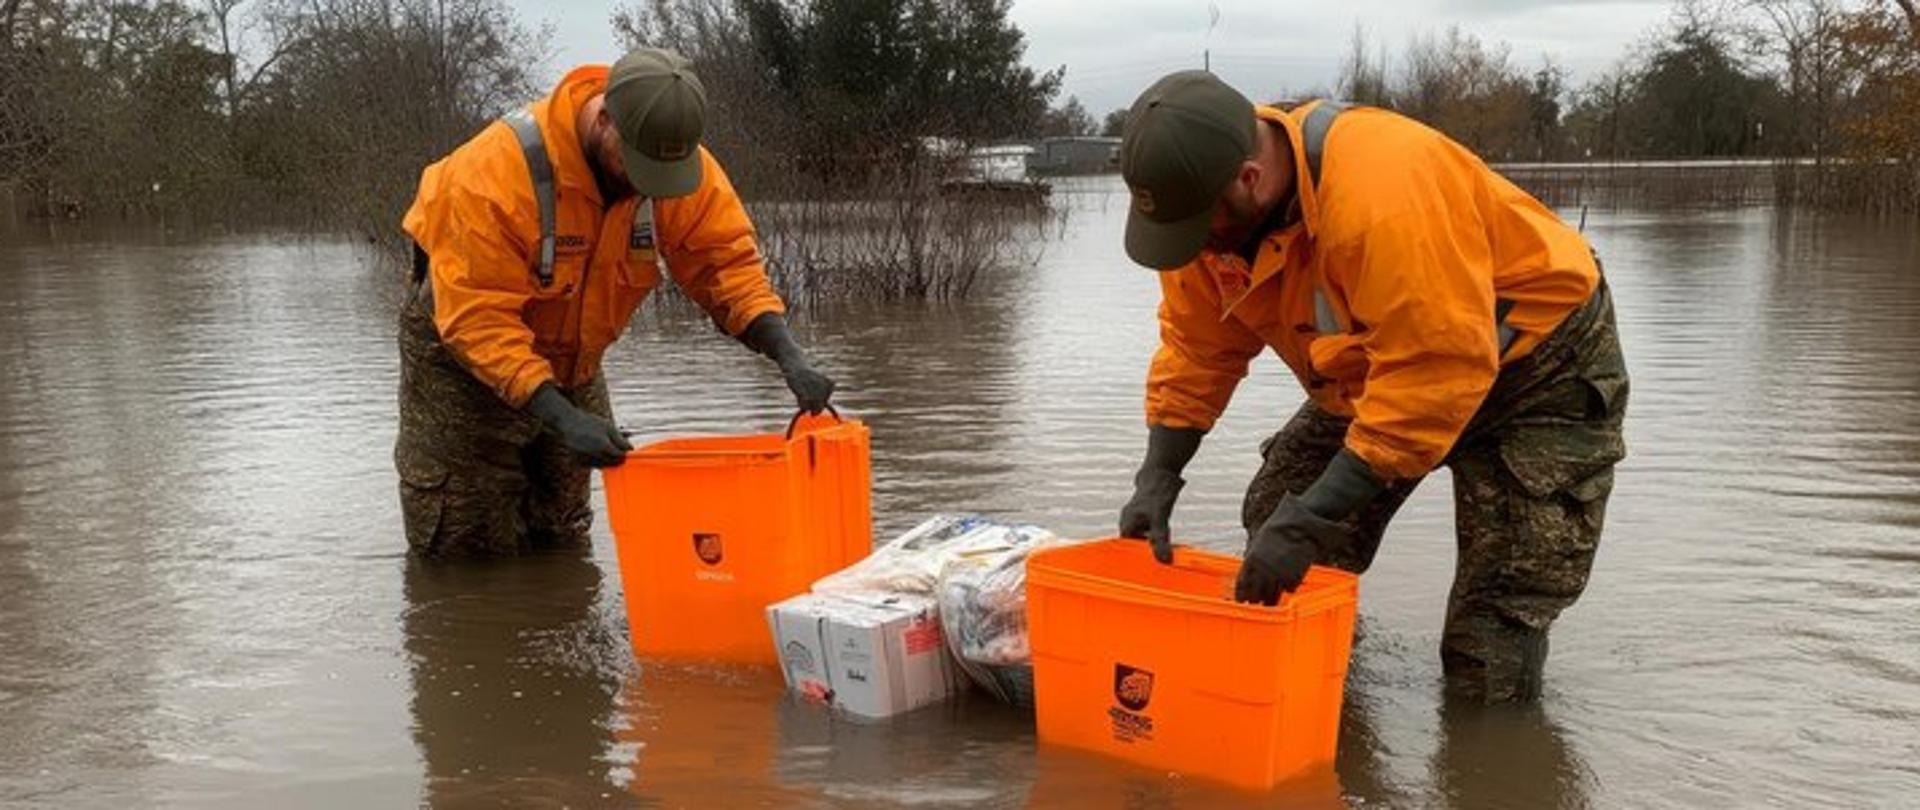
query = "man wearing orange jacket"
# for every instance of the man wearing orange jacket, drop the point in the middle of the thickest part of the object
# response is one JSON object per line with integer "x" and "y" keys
{"x": 1434, "y": 313}
{"x": 535, "y": 242}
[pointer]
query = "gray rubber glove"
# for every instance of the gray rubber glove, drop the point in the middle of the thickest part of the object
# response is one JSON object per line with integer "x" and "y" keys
{"x": 1148, "y": 515}
{"x": 770, "y": 336}
{"x": 1281, "y": 550}
{"x": 596, "y": 441}
{"x": 1291, "y": 538}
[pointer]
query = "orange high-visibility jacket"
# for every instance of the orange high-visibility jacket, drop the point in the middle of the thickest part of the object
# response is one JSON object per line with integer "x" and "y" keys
{"x": 477, "y": 218}
{"x": 1382, "y": 295}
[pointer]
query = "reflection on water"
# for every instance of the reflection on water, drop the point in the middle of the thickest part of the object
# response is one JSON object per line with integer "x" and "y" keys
{"x": 204, "y": 600}
{"x": 510, "y": 663}
{"x": 1506, "y": 756}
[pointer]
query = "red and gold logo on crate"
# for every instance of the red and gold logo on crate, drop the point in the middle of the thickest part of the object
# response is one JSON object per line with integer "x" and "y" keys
{"x": 707, "y": 547}
{"x": 1133, "y": 690}
{"x": 1132, "y": 687}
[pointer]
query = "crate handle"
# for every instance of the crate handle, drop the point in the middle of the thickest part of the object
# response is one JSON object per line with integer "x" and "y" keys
{"x": 795, "y": 421}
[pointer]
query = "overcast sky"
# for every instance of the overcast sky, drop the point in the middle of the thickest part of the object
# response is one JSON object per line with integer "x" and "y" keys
{"x": 1113, "y": 48}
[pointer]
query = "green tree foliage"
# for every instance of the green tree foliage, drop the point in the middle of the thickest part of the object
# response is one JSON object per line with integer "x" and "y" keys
{"x": 1069, "y": 119}
{"x": 1115, "y": 124}
{"x": 1546, "y": 139}
{"x": 1696, "y": 99}
{"x": 835, "y": 86}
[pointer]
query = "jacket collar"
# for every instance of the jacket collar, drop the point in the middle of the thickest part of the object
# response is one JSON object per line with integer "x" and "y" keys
{"x": 559, "y": 114}
{"x": 1271, "y": 257}
{"x": 1290, "y": 123}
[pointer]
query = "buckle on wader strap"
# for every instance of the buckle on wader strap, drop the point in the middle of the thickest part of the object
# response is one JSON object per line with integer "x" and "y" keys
{"x": 643, "y": 235}
{"x": 1313, "y": 134}
{"x": 533, "y": 147}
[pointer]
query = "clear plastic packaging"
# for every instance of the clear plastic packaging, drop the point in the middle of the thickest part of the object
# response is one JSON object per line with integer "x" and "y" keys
{"x": 983, "y": 606}
{"x": 975, "y": 568}
{"x": 907, "y": 564}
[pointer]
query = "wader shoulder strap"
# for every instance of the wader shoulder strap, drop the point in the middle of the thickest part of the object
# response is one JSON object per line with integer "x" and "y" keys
{"x": 534, "y": 148}
{"x": 1313, "y": 132}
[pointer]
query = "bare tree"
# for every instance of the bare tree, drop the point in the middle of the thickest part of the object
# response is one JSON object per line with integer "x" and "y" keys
{"x": 1363, "y": 77}
{"x": 221, "y": 11}
{"x": 1912, "y": 10}
{"x": 9, "y": 15}
{"x": 365, "y": 93}
{"x": 1467, "y": 89}
{"x": 1803, "y": 38}
{"x": 231, "y": 29}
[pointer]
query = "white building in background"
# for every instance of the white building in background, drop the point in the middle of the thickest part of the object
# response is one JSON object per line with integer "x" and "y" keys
{"x": 999, "y": 164}
{"x": 1003, "y": 170}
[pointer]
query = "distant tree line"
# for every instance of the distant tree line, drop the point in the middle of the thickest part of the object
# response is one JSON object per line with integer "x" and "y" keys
{"x": 839, "y": 90}
{"x": 1832, "y": 81}
{"x": 312, "y": 111}
{"x": 323, "y": 111}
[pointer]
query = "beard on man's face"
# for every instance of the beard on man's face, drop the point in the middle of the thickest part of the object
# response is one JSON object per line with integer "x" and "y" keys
{"x": 1234, "y": 222}
{"x": 609, "y": 168}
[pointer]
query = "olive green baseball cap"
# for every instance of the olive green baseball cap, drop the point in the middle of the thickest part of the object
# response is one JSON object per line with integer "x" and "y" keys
{"x": 1185, "y": 139}
{"x": 660, "y": 112}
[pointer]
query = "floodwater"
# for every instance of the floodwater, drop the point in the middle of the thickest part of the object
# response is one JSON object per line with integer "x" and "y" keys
{"x": 204, "y": 599}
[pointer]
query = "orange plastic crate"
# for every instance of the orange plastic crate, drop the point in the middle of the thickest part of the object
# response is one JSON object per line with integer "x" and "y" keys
{"x": 711, "y": 530}
{"x": 1156, "y": 664}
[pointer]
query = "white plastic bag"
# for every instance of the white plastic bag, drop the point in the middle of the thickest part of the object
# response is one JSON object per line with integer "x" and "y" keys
{"x": 907, "y": 564}
{"x": 983, "y": 607}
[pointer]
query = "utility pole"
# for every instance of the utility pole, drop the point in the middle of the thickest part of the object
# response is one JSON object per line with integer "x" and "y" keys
{"x": 1213, "y": 21}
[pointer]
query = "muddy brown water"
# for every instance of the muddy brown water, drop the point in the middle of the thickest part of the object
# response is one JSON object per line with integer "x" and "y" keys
{"x": 204, "y": 600}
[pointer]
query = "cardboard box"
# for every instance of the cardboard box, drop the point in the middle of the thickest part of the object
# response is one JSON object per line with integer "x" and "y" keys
{"x": 872, "y": 656}
{"x": 801, "y": 644}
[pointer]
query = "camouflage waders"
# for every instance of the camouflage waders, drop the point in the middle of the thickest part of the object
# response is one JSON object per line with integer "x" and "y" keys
{"x": 1531, "y": 476}
{"x": 478, "y": 477}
